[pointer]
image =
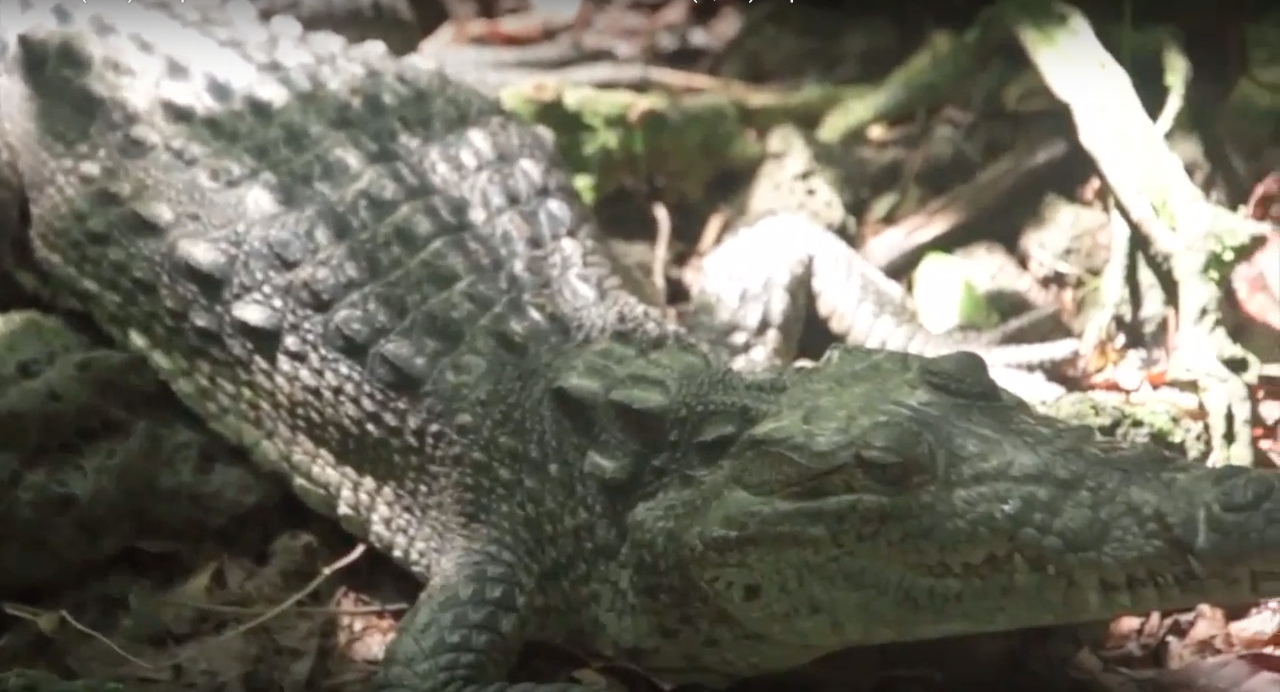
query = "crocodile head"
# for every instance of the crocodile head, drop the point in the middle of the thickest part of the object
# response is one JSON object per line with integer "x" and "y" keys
{"x": 888, "y": 497}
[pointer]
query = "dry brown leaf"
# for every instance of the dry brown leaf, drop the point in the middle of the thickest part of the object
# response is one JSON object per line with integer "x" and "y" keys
{"x": 361, "y": 636}
{"x": 1255, "y": 290}
{"x": 1226, "y": 673}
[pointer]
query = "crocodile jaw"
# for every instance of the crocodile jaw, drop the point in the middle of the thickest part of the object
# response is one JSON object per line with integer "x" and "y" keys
{"x": 891, "y": 498}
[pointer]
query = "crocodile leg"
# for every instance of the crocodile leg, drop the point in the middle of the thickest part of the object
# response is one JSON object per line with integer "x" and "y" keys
{"x": 465, "y": 630}
{"x": 753, "y": 289}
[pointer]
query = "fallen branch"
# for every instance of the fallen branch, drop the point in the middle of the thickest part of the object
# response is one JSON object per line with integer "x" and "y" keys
{"x": 1195, "y": 239}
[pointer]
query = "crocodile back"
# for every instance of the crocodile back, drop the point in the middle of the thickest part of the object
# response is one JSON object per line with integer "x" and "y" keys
{"x": 319, "y": 246}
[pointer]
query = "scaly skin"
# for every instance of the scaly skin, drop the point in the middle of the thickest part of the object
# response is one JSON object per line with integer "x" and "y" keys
{"x": 384, "y": 289}
{"x": 398, "y": 23}
{"x": 755, "y": 286}
{"x": 83, "y": 430}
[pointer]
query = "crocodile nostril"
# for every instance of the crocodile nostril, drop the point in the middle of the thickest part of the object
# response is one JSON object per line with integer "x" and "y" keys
{"x": 1245, "y": 493}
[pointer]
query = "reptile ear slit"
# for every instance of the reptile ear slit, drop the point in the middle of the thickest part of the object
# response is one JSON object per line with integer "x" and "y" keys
{"x": 580, "y": 387}
{"x": 611, "y": 469}
{"x": 718, "y": 430}
{"x": 646, "y": 398}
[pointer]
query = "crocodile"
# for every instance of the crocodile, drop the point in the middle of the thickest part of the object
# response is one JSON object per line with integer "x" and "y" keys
{"x": 397, "y": 23}
{"x": 383, "y": 288}
{"x": 788, "y": 247}
{"x": 564, "y": 57}
{"x": 81, "y": 426}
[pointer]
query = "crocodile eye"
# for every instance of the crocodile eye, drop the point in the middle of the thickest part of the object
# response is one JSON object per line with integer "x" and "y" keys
{"x": 895, "y": 454}
{"x": 888, "y": 469}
